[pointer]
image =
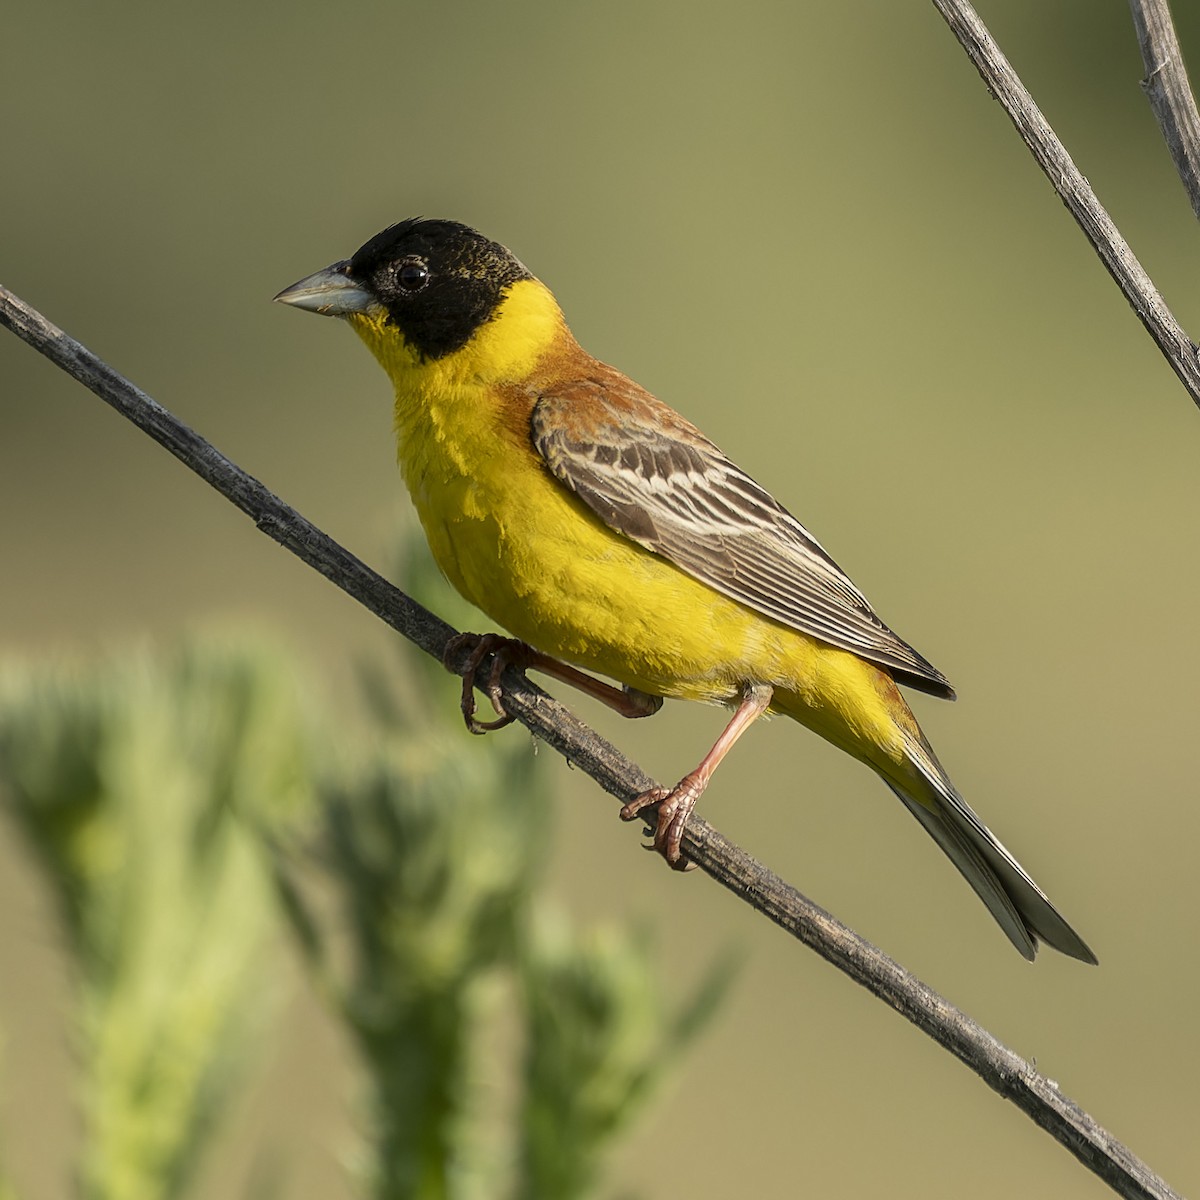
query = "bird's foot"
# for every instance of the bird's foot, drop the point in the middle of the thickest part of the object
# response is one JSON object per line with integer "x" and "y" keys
{"x": 511, "y": 652}
{"x": 675, "y": 806}
{"x": 506, "y": 652}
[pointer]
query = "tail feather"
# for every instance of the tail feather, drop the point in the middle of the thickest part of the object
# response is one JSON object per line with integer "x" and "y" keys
{"x": 975, "y": 870}
{"x": 1022, "y": 909}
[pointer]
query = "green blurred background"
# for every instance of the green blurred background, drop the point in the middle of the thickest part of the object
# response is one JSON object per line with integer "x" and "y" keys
{"x": 810, "y": 229}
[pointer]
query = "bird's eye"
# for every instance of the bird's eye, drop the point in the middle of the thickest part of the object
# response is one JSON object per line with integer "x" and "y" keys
{"x": 412, "y": 275}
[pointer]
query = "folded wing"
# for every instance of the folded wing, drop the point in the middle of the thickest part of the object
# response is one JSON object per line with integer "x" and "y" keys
{"x": 654, "y": 478}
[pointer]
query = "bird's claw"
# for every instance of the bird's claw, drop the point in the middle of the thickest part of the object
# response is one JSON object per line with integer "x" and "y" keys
{"x": 504, "y": 651}
{"x": 674, "y": 808}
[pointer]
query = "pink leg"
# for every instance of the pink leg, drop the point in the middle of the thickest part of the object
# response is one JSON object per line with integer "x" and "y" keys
{"x": 509, "y": 652}
{"x": 675, "y": 804}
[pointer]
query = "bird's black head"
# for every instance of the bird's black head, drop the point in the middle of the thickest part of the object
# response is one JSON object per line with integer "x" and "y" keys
{"x": 438, "y": 280}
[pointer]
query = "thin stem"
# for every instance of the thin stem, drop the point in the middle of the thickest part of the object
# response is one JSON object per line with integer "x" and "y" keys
{"x": 1074, "y": 190}
{"x": 727, "y": 863}
{"x": 1170, "y": 94}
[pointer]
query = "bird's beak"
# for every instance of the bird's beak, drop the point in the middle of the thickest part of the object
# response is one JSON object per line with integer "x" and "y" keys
{"x": 333, "y": 292}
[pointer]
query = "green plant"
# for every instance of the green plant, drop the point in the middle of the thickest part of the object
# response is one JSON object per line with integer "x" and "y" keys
{"x": 127, "y": 779}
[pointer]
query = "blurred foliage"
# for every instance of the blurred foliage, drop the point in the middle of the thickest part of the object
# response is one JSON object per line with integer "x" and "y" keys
{"x": 598, "y": 1040}
{"x": 430, "y": 855}
{"x": 166, "y": 796}
{"x": 127, "y": 779}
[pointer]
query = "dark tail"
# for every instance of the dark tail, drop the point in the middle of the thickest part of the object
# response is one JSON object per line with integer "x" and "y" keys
{"x": 1018, "y": 904}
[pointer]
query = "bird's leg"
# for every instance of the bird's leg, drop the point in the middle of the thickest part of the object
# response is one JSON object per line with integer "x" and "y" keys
{"x": 510, "y": 652}
{"x": 627, "y": 701}
{"x": 675, "y": 804}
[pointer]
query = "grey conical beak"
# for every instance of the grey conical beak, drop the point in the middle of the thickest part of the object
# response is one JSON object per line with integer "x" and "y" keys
{"x": 332, "y": 292}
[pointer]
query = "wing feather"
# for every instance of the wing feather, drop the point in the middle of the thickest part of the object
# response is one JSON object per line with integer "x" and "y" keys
{"x": 657, "y": 480}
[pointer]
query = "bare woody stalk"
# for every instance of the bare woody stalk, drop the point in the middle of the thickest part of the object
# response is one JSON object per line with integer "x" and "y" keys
{"x": 1170, "y": 94}
{"x": 1074, "y": 191}
{"x": 1004, "y": 1071}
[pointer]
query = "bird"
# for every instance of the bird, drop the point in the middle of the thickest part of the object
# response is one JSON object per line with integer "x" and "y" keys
{"x": 608, "y": 536}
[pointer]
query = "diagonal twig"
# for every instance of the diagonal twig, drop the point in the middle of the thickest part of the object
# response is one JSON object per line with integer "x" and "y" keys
{"x": 1170, "y": 94}
{"x": 999, "y": 1067}
{"x": 1074, "y": 191}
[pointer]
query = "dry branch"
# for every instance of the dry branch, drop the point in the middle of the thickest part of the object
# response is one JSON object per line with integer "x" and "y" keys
{"x": 1074, "y": 191}
{"x": 1170, "y": 94}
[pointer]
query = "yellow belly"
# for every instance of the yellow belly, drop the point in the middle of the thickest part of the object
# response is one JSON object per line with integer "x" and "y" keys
{"x": 535, "y": 559}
